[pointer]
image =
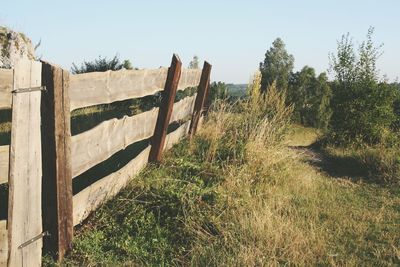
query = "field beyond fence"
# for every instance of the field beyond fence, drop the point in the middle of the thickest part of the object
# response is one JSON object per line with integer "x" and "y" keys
{"x": 76, "y": 140}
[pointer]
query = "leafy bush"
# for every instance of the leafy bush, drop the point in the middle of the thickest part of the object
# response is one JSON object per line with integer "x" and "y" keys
{"x": 362, "y": 106}
{"x": 101, "y": 64}
{"x": 383, "y": 164}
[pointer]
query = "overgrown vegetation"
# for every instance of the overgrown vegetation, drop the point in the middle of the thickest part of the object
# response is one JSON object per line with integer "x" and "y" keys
{"x": 236, "y": 195}
{"x": 358, "y": 111}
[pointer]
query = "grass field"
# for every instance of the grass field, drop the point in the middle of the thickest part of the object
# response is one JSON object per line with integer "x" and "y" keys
{"x": 239, "y": 195}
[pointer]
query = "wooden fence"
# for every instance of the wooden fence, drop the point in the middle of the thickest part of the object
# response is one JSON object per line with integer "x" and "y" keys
{"x": 43, "y": 159}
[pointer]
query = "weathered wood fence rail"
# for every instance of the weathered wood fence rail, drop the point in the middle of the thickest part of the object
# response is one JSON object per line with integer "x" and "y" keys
{"x": 43, "y": 158}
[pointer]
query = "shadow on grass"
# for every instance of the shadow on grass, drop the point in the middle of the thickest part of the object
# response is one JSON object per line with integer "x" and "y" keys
{"x": 337, "y": 166}
{"x": 147, "y": 221}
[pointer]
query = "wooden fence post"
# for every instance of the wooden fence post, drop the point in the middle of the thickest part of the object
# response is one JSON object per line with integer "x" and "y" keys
{"x": 165, "y": 111}
{"x": 25, "y": 173}
{"x": 56, "y": 149}
{"x": 202, "y": 93}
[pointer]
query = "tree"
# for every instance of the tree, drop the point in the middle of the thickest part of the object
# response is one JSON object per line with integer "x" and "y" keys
{"x": 310, "y": 96}
{"x": 277, "y": 66}
{"x": 362, "y": 106}
{"x": 194, "y": 64}
{"x": 101, "y": 64}
{"x": 218, "y": 90}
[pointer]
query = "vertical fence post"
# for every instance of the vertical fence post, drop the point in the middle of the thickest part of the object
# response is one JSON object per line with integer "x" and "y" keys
{"x": 165, "y": 111}
{"x": 207, "y": 101}
{"x": 25, "y": 173}
{"x": 57, "y": 177}
{"x": 202, "y": 93}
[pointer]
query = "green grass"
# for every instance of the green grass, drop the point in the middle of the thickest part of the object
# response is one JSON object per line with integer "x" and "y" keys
{"x": 237, "y": 195}
{"x": 299, "y": 135}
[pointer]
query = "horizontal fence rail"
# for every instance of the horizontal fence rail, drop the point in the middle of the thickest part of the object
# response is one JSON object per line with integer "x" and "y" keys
{"x": 91, "y": 197}
{"x": 94, "y": 195}
{"x": 3, "y": 243}
{"x": 6, "y": 86}
{"x": 4, "y": 161}
{"x": 96, "y": 88}
{"x": 94, "y": 146}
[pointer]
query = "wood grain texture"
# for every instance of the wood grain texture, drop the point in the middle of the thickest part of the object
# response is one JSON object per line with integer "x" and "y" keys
{"x": 189, "y": 78}
{"x": 25, "y": 182}
{"x": 93, "y": 196}
{"x": 3, "y": 243}
{"x": 200, "y": 99}
{"x": 106, "y": 87}
{"x": 57, "y": 179}
{"x": 96, "y": 88}
{"x": 164, "y": 115}
{"x": 4, "y": 161}
{"x": 175, "y": 136}
{"x": 183, "y": 108}
{"x": 96, "y": 145}
{"x": 6, "y": 86}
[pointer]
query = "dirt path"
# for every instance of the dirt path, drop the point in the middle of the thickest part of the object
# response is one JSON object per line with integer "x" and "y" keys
{"x": 336, "y": 166}
{"x": 311, "y": 154}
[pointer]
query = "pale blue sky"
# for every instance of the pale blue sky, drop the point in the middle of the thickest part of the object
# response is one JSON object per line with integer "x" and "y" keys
{"x": 232, "y": 35}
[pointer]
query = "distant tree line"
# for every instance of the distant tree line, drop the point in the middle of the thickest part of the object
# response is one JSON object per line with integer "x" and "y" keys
{"x": 357, "y": 106}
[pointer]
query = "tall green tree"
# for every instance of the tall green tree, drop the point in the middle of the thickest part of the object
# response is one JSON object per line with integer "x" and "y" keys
{"x": 277, "y": 66}
{"x": 310, "y": 96}
{"x": 218, "y": 90}
{"x": 362, "y": 106}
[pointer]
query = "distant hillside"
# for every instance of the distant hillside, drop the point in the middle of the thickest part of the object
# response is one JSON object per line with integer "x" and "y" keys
{"x": 237, "y": 90}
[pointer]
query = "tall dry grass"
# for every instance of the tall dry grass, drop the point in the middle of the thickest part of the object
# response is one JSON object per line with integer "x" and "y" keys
{"x": 258, "y": 224}
{"x": 274, "y": 208}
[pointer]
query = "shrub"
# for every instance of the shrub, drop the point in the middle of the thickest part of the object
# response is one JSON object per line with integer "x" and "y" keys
{"x": 362, "y": 107}
{"x": 383, "y": 164}
{"x": 261, "y": 118}
{"x": 101, "y": 64}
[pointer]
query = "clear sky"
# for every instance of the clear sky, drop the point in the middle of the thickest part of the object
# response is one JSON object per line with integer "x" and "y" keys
{"x": 232, "y": 35}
